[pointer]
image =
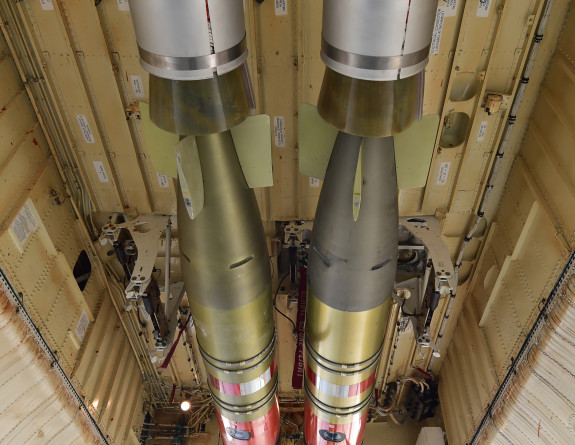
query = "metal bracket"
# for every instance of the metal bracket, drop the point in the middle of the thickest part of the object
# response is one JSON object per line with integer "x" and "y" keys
{"x": 294, "y": 232}
{"x": 428, "y": 230}
{"x": 145, "y": 231}
{"x": 133, "y": 111}
{"x": 424, "y": 341}
{"x": 172, "y": 311}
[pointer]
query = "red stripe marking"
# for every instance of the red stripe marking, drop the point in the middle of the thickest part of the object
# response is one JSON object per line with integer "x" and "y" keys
{"x": 234, "y": 389}
{"x": 354, "y": 390}
{"x": 173, "y": 348}
{"x": 264, "y": 430}
{"x": 353, "y": 430}
{"x": 173, "y": 393}
{"x": 358, "y": 388}
{"x": 310, "y": 374}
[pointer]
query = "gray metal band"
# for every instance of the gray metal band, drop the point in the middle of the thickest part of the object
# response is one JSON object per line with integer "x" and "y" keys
{"x": 194, "y": 63}
{"x": 375, "y": 63}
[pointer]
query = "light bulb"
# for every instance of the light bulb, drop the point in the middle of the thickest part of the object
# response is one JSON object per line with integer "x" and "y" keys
{"x": 185, "y": 405}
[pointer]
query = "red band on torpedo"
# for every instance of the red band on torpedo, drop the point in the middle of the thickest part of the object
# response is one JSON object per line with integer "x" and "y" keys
{"x": 342, "y": 391}
{"x": 262, "y": 431}
{"x": 315, "y": 427}
{"x": 246, "y": 388}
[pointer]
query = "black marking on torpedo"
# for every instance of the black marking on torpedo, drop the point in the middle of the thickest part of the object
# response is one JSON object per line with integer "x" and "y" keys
{"x": 185, "y": 256}
{"x": 242, "y": 262}
{"x": 380, "y": 265}
{"x": 321, "y": 257}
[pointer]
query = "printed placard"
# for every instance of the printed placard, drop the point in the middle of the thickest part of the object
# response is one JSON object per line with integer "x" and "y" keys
{"x": 101, "y": 171}
{"x": 313, "y": 182}
{"x": 443, "y": 173}
{"x": 47, "y": 5}
{"x": 482, "y": 130}
{"x": 437, "y": 30}
{"x": 137, "y": 86}
{"x": 24, "y": 224}
{"x": 163, "y": 180}
{"x": 450, "y": 8}
{"x": 483, "y": 8}
{"x": 279, "y": 131}
{"x": 281, "y": 7}
{"x": 85, "y": 128}
{"x": 82, "y": 326}
{"x": 123, "y": 5}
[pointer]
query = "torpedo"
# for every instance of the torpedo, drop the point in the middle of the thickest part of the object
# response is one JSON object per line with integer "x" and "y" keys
{"x": 375, "y": 55}
{"x": 195, "y": 52}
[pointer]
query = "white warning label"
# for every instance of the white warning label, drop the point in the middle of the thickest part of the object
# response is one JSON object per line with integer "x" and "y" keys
{"x": 24, "y": 224}
{"x": 82, "y": 326}
{"x": 482, "y": 130}
{"x": 443, "y": 173}
{"x": 163, "y": 180}
{"x": 450, "y": 8}
{"x": 281, "y": 7}
{"x": 437, "y": 30}
{"x": 313, "y": 182}
{"x": 47, "y": 5}
{"x": 137, "y": 86}
{"x": 101, "y": 171}
{"x": 279, "y": 131}
{"x": 85, "y": 128}
{"x": 483, "y": 8}
{"x": 123, "y": 5}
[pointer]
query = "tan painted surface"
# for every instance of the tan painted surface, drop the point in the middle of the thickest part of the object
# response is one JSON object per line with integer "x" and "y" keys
{"x": 81, "y": 327}
{"x": 77, "y": 64}
{"x": 36, "y": 407}
{"x": 538, "y": 405}
{"x": 525, "y": 249}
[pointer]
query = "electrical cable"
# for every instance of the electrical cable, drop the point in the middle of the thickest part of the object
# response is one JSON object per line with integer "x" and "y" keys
{"x": 275, "y": 298}
{"x": 279, "y": 285}
{"x": 289, "y": 319}
{"x": 407, "y": 314}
